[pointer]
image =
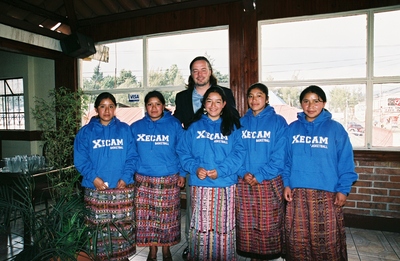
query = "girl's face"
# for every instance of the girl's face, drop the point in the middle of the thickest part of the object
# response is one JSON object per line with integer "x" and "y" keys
{"x": 214, "y": 105}
{"x": 106, "y": 111}
{"x": 155, "y": 108}
{"x": 312, "y": 106}
{"x": 257, "y": 100}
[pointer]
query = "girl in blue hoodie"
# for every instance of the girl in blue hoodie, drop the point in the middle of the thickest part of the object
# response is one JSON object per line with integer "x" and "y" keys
{"x": 158, "y": 178}
{"x": 259, "y": 200}
{"x": 212, "y": 152}
{"x": 318, "y": 177}
{"x": 104, "y": 156}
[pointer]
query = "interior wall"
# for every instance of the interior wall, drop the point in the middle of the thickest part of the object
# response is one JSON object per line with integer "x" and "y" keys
{"x": 39, "y": 78}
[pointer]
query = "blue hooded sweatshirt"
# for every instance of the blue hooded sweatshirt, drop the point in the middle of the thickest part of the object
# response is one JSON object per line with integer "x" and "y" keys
{"x": 156, "y": 142}
{"x": 319, "y": 155}
{"x": 264, "y": 140}
{"x": 105, "y": 152}
{"x": 203, "y": 145}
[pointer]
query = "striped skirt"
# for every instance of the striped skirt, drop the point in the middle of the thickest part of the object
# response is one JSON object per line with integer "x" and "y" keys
{"x": 111, "y": 215}
{"x": 157, "y": 202}
{"x": 212, "y": 232}
{"x": 314, "y": 227}
{"x": 259, "y": 219}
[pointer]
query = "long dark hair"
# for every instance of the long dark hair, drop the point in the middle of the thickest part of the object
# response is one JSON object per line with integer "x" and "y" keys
{"x": 229, "y": 119}
{"x": 191, "y": 83}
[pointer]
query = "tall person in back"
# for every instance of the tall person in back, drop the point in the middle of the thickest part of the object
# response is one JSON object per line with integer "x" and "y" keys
{"x": 211, "y": 150}
{"x": 189, "y": 101}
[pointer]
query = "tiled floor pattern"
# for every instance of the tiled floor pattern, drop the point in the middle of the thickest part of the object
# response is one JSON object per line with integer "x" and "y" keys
{"x": 362, "y": 245}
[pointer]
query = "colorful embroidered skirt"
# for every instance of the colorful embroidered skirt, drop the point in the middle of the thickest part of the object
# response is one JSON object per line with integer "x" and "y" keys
{"x": 314, "y": 227}
{"x": 259, "y": 219}
{"x": 212, "y": 233}
{"x": 111, "y": 215}
{"x": 158, "y": 210}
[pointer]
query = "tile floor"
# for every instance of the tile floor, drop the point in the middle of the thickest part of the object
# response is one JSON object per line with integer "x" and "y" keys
{"x": 362, "y": 245}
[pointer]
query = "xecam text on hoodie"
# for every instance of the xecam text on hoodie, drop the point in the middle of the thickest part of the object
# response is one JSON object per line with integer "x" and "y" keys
{"x": 315, "y": 141}
{"x": 114, "y": 144}
{"x": 216, "y": 137}
{"x": 157, "y": 139}
{"x": 259, "y": 136}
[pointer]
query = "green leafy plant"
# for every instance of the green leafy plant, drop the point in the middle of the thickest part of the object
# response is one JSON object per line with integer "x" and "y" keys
{"x": 58, "y": 231}
{"x": 59, "y": 118}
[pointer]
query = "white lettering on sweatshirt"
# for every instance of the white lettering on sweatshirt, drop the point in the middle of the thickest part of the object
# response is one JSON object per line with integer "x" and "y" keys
{"x": 112, "y": 143}
{"x": 315, "y": 141}
{"x": 259, "y": 136}
{"x": 216, "y": 137}
{"x": 157, "y": 139}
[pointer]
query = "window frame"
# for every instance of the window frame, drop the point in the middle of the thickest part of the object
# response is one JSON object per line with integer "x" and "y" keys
{"x": 6, "y": 112}
{"x": 368, "y": 81}
{"x": 146, "y": 70}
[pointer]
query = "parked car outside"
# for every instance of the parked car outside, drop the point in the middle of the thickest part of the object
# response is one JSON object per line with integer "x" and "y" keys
{"x": 355, "y": 128}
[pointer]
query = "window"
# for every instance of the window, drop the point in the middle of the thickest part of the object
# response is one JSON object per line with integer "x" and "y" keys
{"x": 12, "y": 113}
{"x": 354, "y": 57}
{"x": 154, "y": 62}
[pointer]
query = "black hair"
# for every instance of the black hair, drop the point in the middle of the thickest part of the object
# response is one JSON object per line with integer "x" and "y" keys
{"x": 313, "y": 89}
{"x": 102, "y": 96}
{"x": 259, "y": 86}
{"x": 213, "y": 80}
{"x": 155, "y": 94}
{"x": 229, "y": 119}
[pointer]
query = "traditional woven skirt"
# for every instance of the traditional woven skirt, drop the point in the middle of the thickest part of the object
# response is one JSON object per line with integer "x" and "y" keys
{"x": 111, "y": 215}
{"x": 157, "y": 201}
{"x": 212, "y": 233}
{"x": 259, "y": 219}
{"x": 314, "y": 227}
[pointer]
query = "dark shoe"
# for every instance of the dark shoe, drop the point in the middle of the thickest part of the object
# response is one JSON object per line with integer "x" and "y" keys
{"x": 185, "y": 253}
{"x": 167, "y": 258}
{"x": 149, "y": 258}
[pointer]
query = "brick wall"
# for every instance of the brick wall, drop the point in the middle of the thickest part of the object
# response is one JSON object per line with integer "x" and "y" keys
{"x": 376, "y": 194}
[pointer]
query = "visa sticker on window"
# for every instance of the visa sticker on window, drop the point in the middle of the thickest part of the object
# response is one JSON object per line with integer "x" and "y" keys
{"x": 133, "y": 97}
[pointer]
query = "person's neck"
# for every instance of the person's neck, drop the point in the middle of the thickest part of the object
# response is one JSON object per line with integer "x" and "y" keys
{"x": 202, "y": 89}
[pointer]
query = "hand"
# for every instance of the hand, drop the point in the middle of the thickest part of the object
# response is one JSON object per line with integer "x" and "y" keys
{"x": 212, "y": 174}
{"x": 248, "y": 177}
{"x": 287, "y": 194}
{"x": 121, "y": 184}
{"x": 201, "y": 173}
{"x": 340, "y": 199}
{"x": 99, "y": 184}
{"x": 181, "y": 182}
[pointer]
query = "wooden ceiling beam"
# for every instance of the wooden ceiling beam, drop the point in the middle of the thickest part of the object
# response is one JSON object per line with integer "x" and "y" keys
{"x": 152, "y": 10}
{"x": 34, "y": 9}
{"x": 30, "y": 28}
{"x": 71, "y": 15}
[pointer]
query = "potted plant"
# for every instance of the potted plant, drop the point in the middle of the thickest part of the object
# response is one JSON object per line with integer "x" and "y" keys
{"x": 58, "y": 231}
